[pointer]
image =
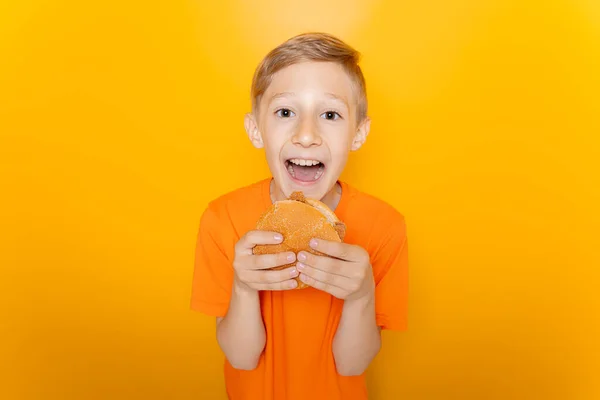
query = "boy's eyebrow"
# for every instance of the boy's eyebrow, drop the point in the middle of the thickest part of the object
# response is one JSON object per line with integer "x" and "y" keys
{"x": 282, "y": 94}
{"x": 340, "y": 98}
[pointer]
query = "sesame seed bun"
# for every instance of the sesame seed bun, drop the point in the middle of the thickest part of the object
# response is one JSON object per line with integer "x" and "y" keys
{"x": 299, "y": 219}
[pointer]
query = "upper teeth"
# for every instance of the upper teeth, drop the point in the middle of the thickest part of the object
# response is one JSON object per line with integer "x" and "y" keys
{"x": 299, "y": 161}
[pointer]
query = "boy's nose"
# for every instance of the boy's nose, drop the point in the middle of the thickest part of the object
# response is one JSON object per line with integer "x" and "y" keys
{"x": 307, "y": 135}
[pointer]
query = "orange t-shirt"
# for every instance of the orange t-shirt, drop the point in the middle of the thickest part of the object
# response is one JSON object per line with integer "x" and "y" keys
{"x": 297, "y": 362}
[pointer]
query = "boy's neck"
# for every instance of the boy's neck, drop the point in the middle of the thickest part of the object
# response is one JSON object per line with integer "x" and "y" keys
{"x": 331, "y": 199}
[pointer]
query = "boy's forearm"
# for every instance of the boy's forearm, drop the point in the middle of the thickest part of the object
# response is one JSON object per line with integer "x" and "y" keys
{"x": 241, "y": 333}
{"x": 358, "y": 339}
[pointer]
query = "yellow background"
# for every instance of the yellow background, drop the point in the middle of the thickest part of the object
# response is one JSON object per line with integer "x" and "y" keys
{"x": 120, "y": 120}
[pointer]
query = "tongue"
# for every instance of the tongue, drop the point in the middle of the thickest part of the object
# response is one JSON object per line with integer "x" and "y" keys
{"x": 305, "y": 173}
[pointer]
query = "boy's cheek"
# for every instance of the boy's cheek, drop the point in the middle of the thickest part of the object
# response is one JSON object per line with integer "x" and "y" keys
{"x": 340, "y": 156}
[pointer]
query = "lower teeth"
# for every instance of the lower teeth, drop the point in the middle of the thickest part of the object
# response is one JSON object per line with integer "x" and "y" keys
{"x": 319, "y": 172}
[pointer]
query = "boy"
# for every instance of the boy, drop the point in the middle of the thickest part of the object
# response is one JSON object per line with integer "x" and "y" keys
{"x": 309, "y": 111}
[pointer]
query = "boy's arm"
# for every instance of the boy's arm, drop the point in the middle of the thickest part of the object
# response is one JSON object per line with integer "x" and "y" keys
{"x": 358, "y": 339}
{"x": 345, "y": 272}
{"x": 368, "y": 307}
{"x": 241, "y": 333}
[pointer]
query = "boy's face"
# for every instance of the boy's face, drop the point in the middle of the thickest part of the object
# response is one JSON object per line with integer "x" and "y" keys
{"x": 307, "y": 123}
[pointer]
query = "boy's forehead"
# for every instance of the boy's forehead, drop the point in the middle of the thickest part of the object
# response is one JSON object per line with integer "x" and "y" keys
{"x": 326, "y": 79}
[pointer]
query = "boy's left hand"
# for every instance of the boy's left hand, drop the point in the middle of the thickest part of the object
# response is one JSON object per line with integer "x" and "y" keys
{"x": 344, "y": 272}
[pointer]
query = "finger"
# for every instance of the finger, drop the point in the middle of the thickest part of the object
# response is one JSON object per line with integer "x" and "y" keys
{"x": 325, "y": 277}
{"x": 285, "y": 285}
{"x": 343, "y": 251}
{"x": 256, "y": 237}
{"x": 332, "y": 290}
{"x": 266, "y": 261}
{"x": 326, "y": 263}
{"x": 267, "y": 277}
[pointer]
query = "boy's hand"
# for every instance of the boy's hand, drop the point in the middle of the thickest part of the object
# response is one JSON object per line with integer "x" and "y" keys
{"x": 251, "y": 271}
{"x": 344, "y": 272}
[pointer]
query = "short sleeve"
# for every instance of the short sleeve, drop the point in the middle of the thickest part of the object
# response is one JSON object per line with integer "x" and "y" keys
{"x": 390, "y": 265}
{"x": 213, "y": 266}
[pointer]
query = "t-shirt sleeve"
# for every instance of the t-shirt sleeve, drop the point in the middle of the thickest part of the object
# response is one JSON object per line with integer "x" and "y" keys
{"x": 390, "y": 265}
{"x": 213, "y": 266}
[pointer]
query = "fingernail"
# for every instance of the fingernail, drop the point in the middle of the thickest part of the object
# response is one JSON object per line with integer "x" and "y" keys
{"x": 300, "y": 266}
{"x": 301, "y": 256}
{"x": 291, "y": 257}
{"x": 292, "y": 284}
{"x": 293, "y": 272}
{"x": 313, "y": 243}
{"x": 278, "y": 237}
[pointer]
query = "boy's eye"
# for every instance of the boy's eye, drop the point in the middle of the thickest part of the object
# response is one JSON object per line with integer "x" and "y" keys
{"x": 284, "y": 113}
{"x": 332, "y": 115}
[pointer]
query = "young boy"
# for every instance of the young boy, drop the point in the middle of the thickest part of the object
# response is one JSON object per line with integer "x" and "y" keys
{"x": 309, "y": 111}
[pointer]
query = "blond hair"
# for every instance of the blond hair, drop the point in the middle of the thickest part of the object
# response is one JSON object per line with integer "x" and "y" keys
{"x": 310, "y": 47}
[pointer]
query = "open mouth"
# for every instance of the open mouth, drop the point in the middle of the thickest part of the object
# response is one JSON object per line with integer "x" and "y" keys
{"x": 303, "y": 170}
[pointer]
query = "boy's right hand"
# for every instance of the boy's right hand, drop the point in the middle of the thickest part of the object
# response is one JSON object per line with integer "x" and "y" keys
{"x": 252, "y": 271}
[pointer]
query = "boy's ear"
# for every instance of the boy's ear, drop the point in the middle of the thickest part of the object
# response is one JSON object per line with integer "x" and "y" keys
{"x": 361, "y": 134}
{"x": 252, "y": 130}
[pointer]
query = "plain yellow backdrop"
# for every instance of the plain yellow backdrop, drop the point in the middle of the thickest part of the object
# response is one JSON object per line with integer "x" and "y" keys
{"x": 120, "y": 120}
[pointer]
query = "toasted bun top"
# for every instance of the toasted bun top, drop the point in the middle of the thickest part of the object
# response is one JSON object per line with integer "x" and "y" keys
{"x": 299, "y": 219}
{"x": 299, "y": 222}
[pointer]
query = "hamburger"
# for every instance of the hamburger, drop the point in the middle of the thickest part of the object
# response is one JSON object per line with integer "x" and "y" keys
{"x": 299, "y": 220}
